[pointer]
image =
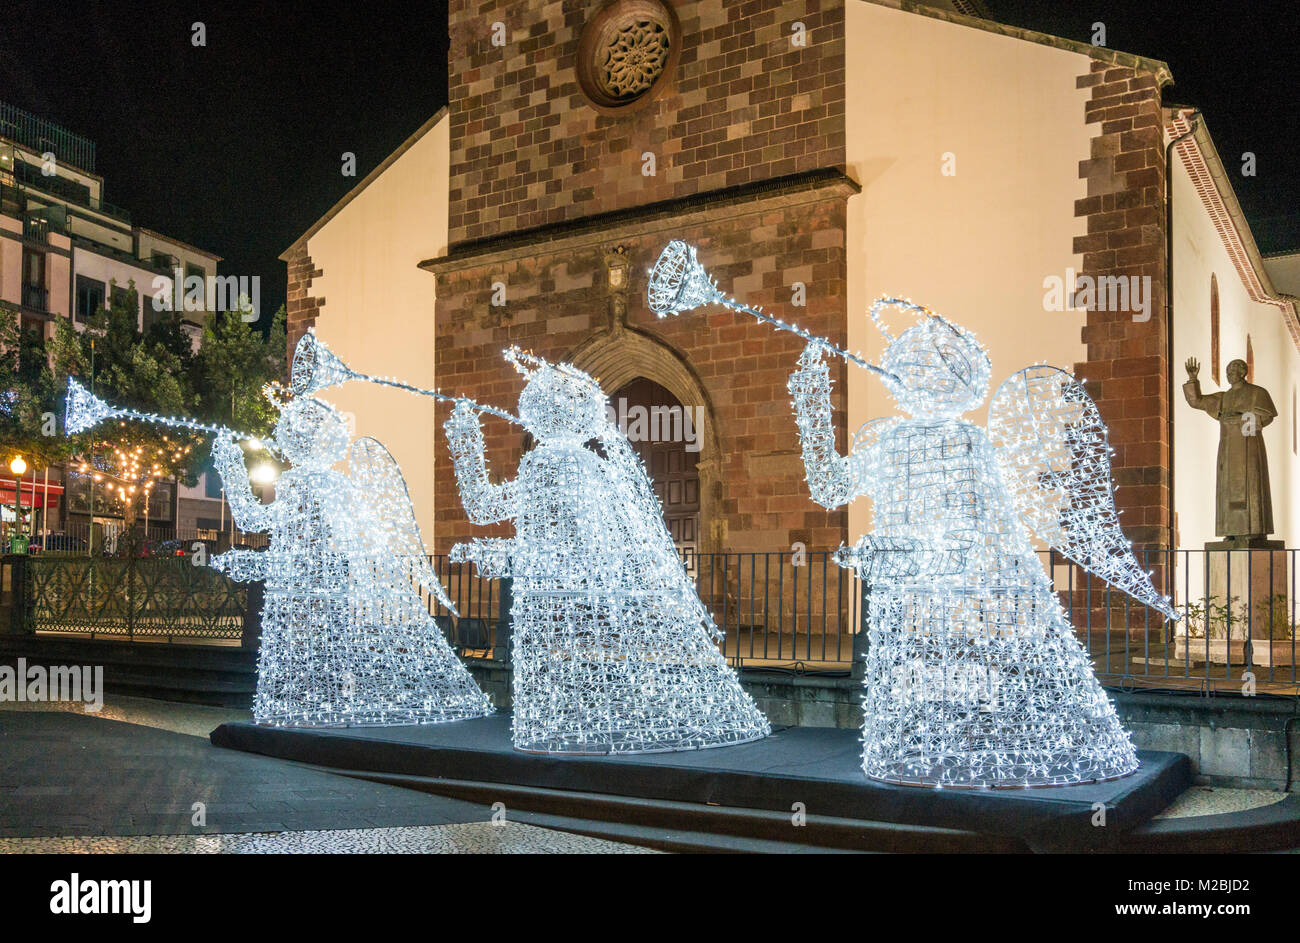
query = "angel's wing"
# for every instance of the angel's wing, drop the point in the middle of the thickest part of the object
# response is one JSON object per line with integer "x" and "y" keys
{"x": 392, "y": 535}
{"x": 1054, "y": 453}
{"x": 644, "y": 532}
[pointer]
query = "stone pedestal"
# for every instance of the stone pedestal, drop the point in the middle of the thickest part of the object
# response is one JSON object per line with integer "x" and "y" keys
{"x": 1258, "y": 577}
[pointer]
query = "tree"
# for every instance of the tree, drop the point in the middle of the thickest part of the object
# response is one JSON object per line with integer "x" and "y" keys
{"x": 29, "y": 398}
{"x": 127, "y": 459}
{"x": 233, "y": 364}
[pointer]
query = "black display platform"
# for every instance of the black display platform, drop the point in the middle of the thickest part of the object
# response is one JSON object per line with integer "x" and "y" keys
{"x": 815, "y": 766}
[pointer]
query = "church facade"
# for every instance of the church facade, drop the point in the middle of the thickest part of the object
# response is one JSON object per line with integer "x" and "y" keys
{"x": 818, "y": 154}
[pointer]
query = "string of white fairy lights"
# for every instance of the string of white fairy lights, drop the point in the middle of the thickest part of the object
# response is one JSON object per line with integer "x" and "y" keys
{"x": 613, "y": 650}
{"x": 974, "y": 677}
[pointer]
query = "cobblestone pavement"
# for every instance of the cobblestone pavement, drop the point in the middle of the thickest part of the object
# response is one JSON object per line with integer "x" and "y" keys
{"x": 197, "y": 720}
{"x": 71, "y": 782}
{"x": 1213, "y": 800}
{"x": 512, "y": 838}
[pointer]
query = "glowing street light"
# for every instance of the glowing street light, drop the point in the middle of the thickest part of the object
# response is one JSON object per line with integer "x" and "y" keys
{"x": 265, "y": 473}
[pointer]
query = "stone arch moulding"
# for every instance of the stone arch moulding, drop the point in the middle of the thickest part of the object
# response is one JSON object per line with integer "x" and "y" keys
{"x": 618, "y": 358}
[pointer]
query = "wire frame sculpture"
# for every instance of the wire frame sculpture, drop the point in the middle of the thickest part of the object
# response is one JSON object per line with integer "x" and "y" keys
{"x": 613, "y": 652}
{"x": 974, "y": 677}
{"x": 346, "y": 639}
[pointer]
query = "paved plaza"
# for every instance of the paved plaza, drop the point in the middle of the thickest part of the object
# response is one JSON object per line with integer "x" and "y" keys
{"x": 139, "y": 775}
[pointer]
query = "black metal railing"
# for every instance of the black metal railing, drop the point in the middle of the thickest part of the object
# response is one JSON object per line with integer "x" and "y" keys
{"x": 127, "y": 597}
{"x": 773, "y": 609}
{"x": 36, "y": 229}
{"x": 43, "y": 135}
{"x": 780, "y": 610}
{"x": 36, "y": 297}
{"x": 805, "y": 612}
{"x": 1237, "y": 631}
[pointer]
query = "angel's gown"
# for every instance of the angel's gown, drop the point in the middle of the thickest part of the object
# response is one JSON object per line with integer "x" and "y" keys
{"x": 342, "y": 645}
{"x": 610, "y": 649}
{"x": 973, "y": 676}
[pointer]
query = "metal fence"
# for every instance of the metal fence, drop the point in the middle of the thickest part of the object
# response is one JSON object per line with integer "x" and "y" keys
{"x": 1239, "y": 626}
{"x": 1239, "y": 613}
{"x": 130, "y": 597}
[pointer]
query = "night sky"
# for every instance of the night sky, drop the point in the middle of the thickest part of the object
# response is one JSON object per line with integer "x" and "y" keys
{"x": 237, "y": 147}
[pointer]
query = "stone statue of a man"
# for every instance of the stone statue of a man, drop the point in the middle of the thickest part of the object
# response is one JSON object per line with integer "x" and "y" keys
{"x": 1244, "y": 505}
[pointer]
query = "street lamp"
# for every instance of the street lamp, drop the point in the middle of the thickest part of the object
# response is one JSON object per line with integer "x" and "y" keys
{"x": 18, "y": 466}
{"x": 265, "y": 473}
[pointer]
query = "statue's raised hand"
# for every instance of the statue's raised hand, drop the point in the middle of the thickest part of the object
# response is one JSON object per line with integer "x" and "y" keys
{"x": 1193, "y": 367}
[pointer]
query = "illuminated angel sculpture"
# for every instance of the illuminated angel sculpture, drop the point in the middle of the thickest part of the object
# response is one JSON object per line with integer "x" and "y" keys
{"x": 346, "y": 639}
{"x": 974, "y": 676}
{"x": 613, "y": 650}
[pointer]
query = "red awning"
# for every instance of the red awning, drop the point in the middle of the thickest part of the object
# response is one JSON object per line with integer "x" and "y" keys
{"x": 33, "y": 493}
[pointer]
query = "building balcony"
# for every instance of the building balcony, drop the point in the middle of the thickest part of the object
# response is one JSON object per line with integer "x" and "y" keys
{"x": 30, "y": 179}
{"x": 36, "y": 229}
{"x": 41, "y": 135}
{"x": 36, "y": 298}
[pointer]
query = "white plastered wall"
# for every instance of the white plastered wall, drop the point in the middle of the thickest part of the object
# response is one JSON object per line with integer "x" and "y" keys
{"x": 1199, "y": 252}
{"x": 975, "y": 246}
{"x": 379, "y": 306}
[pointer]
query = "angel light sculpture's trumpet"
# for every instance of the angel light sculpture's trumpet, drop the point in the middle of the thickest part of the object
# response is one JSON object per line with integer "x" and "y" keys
{"x": 315, "y": 367}
{"x": 85, "y": 410}
{"x": 974, "y": 675}
{"x": 678, "y": 282}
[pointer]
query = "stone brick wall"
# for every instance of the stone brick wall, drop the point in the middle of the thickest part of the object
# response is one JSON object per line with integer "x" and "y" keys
{"x": 558, "y": 305}
{"x": 301, "y": 308}
{"x": 742, "y": 105}
{"x": 1127, "y": 369}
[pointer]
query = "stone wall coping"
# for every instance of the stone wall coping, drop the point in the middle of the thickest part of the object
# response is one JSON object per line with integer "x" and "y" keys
{"x": 663, "y": 216}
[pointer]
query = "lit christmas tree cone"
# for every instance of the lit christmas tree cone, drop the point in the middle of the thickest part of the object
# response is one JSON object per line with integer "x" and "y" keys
{"x": 613, "y": 650}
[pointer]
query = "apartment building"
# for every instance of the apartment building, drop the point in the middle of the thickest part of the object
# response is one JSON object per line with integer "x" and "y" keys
{"x": 64, "y": 250}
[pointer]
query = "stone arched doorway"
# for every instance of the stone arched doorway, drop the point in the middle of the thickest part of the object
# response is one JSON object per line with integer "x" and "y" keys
{"x": 665, "y": 435}
{"x": 618, "y": 359}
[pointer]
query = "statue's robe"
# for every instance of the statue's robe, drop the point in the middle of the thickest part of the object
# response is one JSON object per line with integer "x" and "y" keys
{"x": 1243, "y": 502}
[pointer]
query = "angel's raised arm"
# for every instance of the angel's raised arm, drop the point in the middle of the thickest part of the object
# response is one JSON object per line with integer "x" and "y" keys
{"x": 248, "y": 512}
{"x": 833, "y": 479}
{"x": 485, "y": 502}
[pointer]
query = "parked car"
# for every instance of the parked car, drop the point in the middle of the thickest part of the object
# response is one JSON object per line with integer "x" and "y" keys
{"x": 179, "y": 547}
{"x": 57, "y": 543}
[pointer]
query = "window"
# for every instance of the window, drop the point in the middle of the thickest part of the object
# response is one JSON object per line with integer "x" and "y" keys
{"x": 34, "y": 293}
{"x": 211, "y": 485}
{"x": 125, "y": 298}
{"x": 193, "y": 271}
{"x": 90, "y": 297}
{"x": 1214, "y": 327}
{"x": 1250, "y": 360}
{"x": 34, "y": 268}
